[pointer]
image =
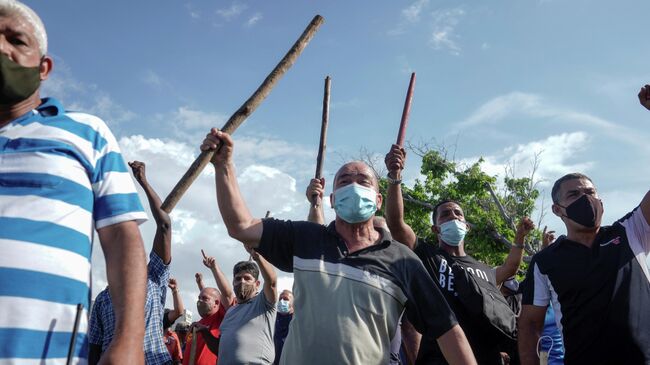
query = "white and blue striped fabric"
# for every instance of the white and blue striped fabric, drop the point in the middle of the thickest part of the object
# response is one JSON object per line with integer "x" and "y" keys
{"x": 61, "y": 177}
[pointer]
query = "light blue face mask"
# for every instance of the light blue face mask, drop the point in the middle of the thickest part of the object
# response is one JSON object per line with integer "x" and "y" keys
{"x": 283, "y": 306}
{"x": 453, "y": 232}
{"x": 355, "y": 203}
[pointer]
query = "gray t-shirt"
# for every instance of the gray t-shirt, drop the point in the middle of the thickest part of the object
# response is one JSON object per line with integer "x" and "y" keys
{"x": 247, "y": 333}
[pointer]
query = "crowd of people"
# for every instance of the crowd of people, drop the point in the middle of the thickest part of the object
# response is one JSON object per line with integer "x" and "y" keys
{"x": 367, "y": 289}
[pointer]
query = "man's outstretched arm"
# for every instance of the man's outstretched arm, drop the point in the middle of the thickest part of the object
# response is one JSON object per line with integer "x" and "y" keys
{"x": 126, "y": 271}
{"x": 162, "y": 241}
{"x": 269, "y": 275}
{"x": 227, "y": 295}
{"x": 238, "y": 220}
{"x": 402, "y": 232}
{"x": 516, "y": 255}
{"x": 179, "y": 308}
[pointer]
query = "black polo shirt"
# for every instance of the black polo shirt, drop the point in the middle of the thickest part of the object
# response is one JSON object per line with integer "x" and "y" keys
{"x": 348, "y": 305}
{"x": 600, "y": 295}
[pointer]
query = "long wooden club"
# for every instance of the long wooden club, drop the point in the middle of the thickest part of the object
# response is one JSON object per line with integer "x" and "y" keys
{"x": 322, "y": 146}
{"x": 405, "y": 113}
{"x": 244, "y": 111}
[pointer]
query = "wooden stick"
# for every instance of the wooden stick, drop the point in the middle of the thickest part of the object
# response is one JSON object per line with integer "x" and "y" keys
{"x": 405, "y": 113}
{"x": 243, "y": 112}
{"x": 315, "y": 199}
{"x": 75, "y": 330}
{"x": 193, "y": 348}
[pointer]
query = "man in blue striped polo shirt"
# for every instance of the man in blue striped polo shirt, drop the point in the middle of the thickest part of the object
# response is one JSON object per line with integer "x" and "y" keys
{"x": 61, "y": 177}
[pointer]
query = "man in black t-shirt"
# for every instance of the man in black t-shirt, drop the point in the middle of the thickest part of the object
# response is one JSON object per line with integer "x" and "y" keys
{"x": 597, "y": 278}
{"x": 450, "y": 228}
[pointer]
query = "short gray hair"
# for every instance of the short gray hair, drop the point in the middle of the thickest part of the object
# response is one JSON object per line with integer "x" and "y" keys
{"x": 16, "y": 8}
{"x": 555, "y": 192}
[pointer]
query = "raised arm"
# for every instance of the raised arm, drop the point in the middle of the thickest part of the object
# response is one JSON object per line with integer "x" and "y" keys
{"x": 238, "y": 220}
{"x": 394, "y": 211}
{"x": 162, "y": 241}
{"x": 270, "y": 278}
{"x": 516, "y": 254}
{"x": 531, "y": 323}
{"x": 227, "y": 295}
{"x": 179, "y": 308}
{"x": 126, "y": 271}
{"x": 316, "y": 187}
{"x": 199, "y": 280}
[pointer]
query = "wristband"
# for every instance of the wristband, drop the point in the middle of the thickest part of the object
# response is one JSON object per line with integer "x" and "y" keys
{"x": 393, "y": 181}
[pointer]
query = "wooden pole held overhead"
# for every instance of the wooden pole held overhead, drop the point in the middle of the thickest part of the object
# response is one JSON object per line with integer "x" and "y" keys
{"x": 405, "y": 113}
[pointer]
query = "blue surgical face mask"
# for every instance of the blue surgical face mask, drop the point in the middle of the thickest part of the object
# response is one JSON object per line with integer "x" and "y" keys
{"x": 453, "y": 232}
{"x": 355, "y": 203}
{"x": 283, "y": 306}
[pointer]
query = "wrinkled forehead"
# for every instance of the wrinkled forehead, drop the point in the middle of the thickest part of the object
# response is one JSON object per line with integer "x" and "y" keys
{"x": 355, "y": 169}
{"x": 16, "y": 23}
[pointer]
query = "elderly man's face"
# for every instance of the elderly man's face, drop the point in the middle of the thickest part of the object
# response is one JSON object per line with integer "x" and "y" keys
{"x": 355, "y": 172}
{"x": 17, "y": 41}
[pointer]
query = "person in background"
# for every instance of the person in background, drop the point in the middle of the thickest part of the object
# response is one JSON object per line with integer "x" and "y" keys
{"x": 170, "y": 337}
{"x": 282, "y": 321}
{"x": 102, "y": 318}
{"x": 450, "y": 227}
{"x": 211, "y": 306}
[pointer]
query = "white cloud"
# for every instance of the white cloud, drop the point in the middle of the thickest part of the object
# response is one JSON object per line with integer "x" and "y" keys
{"x": 408, "y": 16}
{"x": 254, "y": 19}
{"x": 412, "y": 12}
{"x": 232, "y": 12}
{"x": 443, "y": 34}
{"x": 555, "y": 153}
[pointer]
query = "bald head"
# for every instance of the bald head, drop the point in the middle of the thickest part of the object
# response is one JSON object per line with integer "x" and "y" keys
{"x": 356, "y": 171}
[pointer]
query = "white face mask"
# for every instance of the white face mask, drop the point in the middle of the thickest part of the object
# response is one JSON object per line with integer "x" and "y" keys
{"x": 283, "y": 306}
{"x": 453, "y": 232}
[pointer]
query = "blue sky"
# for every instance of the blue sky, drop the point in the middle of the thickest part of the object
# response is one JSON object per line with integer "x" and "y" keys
{"x": 499, "y": 79}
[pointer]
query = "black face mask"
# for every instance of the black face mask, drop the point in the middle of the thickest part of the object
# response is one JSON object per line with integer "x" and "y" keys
{"x": 17, "y": 82}
{"x": 586, "y": 211}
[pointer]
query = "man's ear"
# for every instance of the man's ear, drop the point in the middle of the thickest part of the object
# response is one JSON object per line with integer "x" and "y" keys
{"x": 379, "y": 200}
{"x": 435, "y": 229}
{"x": 556, "y": 210}
{"x": 257, "y": 284}
{"x": 45, "y": 67}
{"x": 332, "y": 200}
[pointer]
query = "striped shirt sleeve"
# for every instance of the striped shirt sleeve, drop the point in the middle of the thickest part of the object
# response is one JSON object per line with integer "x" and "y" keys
{"x": 116, "y": 199}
